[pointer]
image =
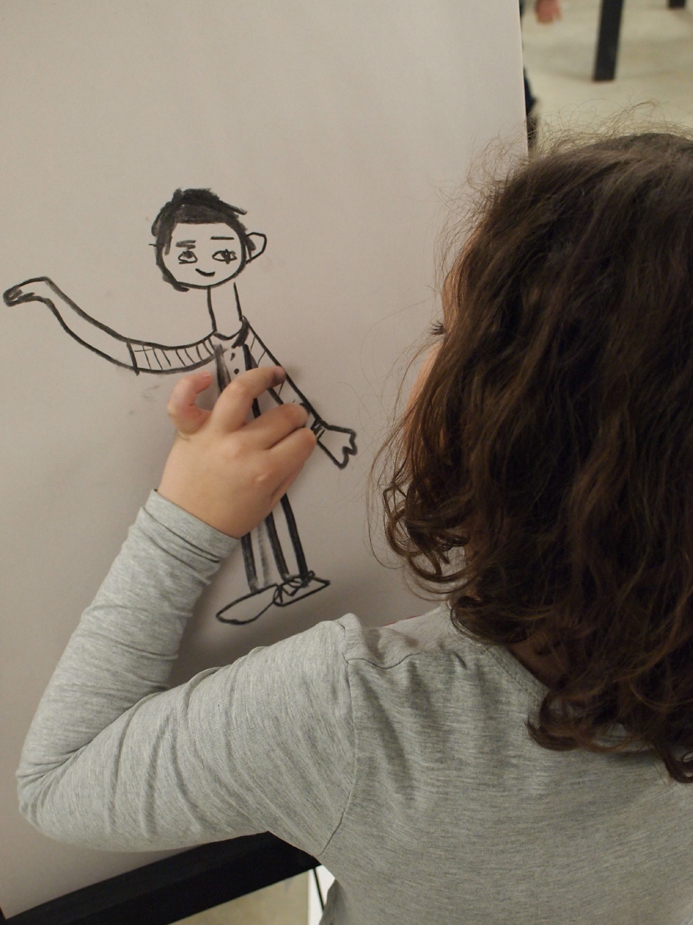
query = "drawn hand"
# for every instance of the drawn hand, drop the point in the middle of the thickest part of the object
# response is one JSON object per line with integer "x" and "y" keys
{"x": 332, "y": 440}
{"x": 227, "y": 471}
{"x": 32, "y": 290}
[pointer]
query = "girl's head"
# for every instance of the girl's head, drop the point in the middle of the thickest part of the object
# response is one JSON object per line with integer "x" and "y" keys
{"x": 552, "y": 439}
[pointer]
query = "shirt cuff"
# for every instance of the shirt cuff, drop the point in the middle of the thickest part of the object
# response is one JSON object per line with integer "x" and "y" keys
{"x": 188, "y": 527}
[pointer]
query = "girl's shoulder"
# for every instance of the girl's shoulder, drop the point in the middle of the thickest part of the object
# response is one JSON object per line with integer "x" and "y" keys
{"x": 387, "y": 646}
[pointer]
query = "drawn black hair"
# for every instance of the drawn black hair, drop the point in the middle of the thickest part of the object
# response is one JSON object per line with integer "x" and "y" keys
{"x": 196, "y": 207}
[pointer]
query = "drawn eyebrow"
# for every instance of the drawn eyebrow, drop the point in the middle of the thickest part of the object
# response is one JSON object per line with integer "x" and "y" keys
{"x": 185, "y": 244}
{"x": 220, "y": 238}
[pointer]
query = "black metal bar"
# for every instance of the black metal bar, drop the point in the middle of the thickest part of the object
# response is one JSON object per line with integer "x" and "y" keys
{"x": 607, "y": 44}
{"x": 174, "y": 888}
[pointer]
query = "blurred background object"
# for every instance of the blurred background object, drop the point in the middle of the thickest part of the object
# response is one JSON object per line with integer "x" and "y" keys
{"x": 655, "y": 64}
{"x": 546, "y": 12}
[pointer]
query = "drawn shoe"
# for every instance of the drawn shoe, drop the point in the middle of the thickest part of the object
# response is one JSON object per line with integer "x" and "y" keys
{"x": 296, "y": 587}
{"x": 249, "y": 607}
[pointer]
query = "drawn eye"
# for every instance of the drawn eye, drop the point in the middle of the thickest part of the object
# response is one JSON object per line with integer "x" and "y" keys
{"x": 187, "y": 257}
{"x": 437, "y": 329}
{"x": 224, "y": 256}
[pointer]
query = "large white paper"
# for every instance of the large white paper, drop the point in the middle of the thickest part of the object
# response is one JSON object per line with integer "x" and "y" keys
{"x": 339, "y": 129}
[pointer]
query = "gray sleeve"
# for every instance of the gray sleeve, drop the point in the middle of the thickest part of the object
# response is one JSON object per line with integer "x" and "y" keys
{"x": 114, "y": 760}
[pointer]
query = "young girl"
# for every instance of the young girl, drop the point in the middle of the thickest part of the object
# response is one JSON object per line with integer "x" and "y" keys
{"x": 520, "y": 753}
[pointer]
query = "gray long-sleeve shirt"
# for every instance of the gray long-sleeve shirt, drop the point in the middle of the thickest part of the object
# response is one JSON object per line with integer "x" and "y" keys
{"x": 397, "y": 756}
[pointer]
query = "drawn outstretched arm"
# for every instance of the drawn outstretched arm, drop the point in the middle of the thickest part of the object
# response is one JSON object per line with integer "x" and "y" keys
{"x": 86, "y": 330}
{"x": 338, "y": 442}
{"x": 137, "y": 355}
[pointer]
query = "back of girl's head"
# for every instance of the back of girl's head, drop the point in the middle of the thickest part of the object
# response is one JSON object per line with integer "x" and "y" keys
{"x": 554, "y": 439}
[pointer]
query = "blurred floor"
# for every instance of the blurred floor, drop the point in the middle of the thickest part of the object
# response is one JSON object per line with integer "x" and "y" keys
{"x": 655, "y": 65}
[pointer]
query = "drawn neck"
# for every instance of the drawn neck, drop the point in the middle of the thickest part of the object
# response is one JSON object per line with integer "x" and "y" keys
{"x": 212, "y": 319}
{"x": 230, "y": 321}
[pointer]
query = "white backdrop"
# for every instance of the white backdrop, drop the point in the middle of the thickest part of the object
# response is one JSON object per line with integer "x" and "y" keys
{"x": 339, "y": 127}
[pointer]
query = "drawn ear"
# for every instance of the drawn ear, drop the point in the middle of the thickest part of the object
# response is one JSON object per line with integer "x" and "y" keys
{"x": 260, "y": 243}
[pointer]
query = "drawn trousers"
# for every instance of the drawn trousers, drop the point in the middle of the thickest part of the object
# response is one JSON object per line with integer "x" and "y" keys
{"x": 264, "y": 556}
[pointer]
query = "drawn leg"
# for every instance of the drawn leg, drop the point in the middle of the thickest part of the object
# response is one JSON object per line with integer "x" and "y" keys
{"x": 278, "y": 582}
{"x": 261, "y": 577}
{"x": 253, "y": 546}
{"x": 302, "y": 582}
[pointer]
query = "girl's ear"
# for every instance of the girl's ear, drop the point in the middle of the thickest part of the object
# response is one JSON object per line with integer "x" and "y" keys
{"x": 259, "y": 242}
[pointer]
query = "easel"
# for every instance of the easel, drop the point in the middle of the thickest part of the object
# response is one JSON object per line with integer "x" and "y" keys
{"x": 609, "y": 30}
{"x": 174, "y": 888}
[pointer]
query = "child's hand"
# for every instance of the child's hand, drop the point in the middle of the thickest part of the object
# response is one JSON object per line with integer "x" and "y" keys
{"x": 227, "y": 471}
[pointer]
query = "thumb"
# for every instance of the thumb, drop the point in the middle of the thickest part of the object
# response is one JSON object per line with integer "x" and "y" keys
{"x": 187, "y": 418}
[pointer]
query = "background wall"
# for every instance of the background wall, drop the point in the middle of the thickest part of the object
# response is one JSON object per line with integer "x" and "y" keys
{"x": 341, "y": 129}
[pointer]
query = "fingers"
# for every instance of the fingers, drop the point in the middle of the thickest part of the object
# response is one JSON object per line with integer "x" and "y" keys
{"x": 226, "y": 471}
{"x": 263, "y": 432}
{"x": 187, "y": 418}
{"x": 233, "y": 405}
{"x": 289, "y": 456}
{"x": 274, "y": 425}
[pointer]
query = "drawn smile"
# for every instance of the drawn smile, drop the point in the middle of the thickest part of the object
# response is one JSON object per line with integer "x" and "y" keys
{"x": 202, "y": 272}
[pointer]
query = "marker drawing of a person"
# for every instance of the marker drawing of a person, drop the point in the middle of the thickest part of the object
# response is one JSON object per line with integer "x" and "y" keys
{"x": 201, "y": 243}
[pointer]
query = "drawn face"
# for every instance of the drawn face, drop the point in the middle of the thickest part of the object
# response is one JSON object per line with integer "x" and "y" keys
{"x": 202, "y": 256}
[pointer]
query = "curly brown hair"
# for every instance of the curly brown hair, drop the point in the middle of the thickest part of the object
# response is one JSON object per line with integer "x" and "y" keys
{"x": 553, "y": 438}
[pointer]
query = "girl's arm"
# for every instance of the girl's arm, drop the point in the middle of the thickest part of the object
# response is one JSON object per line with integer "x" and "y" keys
{"x": 114, "y": 760}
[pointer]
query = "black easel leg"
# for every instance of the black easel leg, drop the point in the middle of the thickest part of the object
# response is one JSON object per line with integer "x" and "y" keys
{"x": 607, "y": 45}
